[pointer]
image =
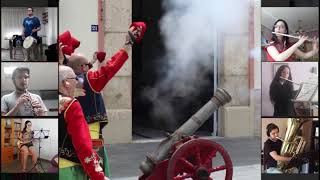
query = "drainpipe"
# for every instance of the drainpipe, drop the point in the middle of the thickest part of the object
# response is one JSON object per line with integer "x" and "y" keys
{"x": 101, "y": 25}
{"x": 251, "y": 44}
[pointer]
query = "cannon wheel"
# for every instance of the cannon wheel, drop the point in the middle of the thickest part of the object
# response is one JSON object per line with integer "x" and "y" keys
{"x": 194, "y": 160}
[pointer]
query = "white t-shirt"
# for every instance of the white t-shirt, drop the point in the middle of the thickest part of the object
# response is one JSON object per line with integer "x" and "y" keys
{"x": 8, "y": 101}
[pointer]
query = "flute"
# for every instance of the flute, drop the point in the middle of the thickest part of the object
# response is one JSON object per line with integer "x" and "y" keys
{"x": 298, "y": 83}
{"x": 288, "y": 35}
{"x": 290, "y": 80}
{"x": 280, "y": 139}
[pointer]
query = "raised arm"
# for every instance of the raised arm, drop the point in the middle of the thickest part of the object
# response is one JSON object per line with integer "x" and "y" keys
{"x": 314, "y": 51}
{"x": 11, "y": 112}
{"x": 99, "y": 78}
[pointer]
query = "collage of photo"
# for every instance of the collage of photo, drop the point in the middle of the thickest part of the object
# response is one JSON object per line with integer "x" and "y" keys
{"x": 160, "y": 90}
{"x": 289, "y": 89}
{"x": 29, "y": 90}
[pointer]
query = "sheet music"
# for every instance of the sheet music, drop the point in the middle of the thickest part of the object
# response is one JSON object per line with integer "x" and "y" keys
{"x": 308, "y": 90}
{"x": 42, "y": 134}
{"x": 315, "y": 97}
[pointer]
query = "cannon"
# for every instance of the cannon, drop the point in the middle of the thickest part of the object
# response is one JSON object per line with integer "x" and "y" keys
{"x": 183, "y": 156}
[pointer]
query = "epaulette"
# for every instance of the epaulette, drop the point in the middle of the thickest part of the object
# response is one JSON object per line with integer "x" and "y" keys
{"x": 64, "y": 102}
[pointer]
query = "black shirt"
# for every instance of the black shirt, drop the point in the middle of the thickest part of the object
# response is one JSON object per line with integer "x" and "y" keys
{"x": 270, "y": 146}
{"x": 282, "y": 96}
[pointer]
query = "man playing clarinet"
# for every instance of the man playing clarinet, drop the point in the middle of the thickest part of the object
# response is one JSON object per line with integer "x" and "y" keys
{"x": 21, "y": 102}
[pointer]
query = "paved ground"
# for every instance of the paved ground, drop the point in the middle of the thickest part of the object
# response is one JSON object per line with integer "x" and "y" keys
{"x": 244, "y": 152}
{"x": 240, "y": 173}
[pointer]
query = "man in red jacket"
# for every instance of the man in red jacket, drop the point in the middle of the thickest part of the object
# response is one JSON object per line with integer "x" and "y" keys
{"x": 77, "y": 159}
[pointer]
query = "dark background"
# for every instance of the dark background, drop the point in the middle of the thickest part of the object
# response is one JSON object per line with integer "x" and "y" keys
{"x": 146, "y": 59}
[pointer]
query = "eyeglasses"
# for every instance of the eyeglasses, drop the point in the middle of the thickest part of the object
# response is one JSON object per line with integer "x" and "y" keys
{"x": 87, "y": 64}
{"x": 76, "y": 78}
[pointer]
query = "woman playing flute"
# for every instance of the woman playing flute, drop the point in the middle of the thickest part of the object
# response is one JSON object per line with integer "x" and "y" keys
{"x": 281, "y": 49}
{"x": 281, "y": 92}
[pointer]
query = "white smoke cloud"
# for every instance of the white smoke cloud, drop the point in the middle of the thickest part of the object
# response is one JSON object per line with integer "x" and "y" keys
{"x": 188, "y": 28}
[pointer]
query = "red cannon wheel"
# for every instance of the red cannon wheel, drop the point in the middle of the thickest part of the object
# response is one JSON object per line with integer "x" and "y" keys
{"x": 194, "y": 160}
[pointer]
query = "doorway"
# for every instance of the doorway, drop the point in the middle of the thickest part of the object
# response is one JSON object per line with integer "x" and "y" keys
{"x": 151, "y": 120}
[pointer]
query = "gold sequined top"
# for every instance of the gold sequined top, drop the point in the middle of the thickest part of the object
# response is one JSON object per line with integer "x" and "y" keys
{"x": 27, "y": 136}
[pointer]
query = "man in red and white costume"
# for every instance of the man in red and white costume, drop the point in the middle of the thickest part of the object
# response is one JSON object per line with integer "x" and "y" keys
{"x": 76, "y": 153}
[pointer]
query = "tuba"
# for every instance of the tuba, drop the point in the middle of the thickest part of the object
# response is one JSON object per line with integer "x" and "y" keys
{"x": 292, "y": 144}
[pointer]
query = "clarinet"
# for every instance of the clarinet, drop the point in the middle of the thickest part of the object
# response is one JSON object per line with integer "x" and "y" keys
{"x": 30, "y": 103}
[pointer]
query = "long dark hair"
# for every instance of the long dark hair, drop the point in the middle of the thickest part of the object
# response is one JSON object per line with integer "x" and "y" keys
{"x": 286, "y": 38}
{"x": 25, "y": 126}
{"x": 276, "y": 80}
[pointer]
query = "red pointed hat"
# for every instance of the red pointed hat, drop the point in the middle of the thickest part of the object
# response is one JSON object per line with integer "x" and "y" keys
{"x": 75, "y": 43}
{"x": 68, "y": 50}
{"x": 65, "y": 37}
{"x": 70, "y": 43}
{"x": 143, "y": 27}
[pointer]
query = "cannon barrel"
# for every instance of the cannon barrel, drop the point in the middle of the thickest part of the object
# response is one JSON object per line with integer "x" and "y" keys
{"x": 219, "y": 98}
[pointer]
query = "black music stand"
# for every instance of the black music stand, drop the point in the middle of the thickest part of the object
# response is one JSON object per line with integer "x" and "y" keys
{"x": 40, "y": 134}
